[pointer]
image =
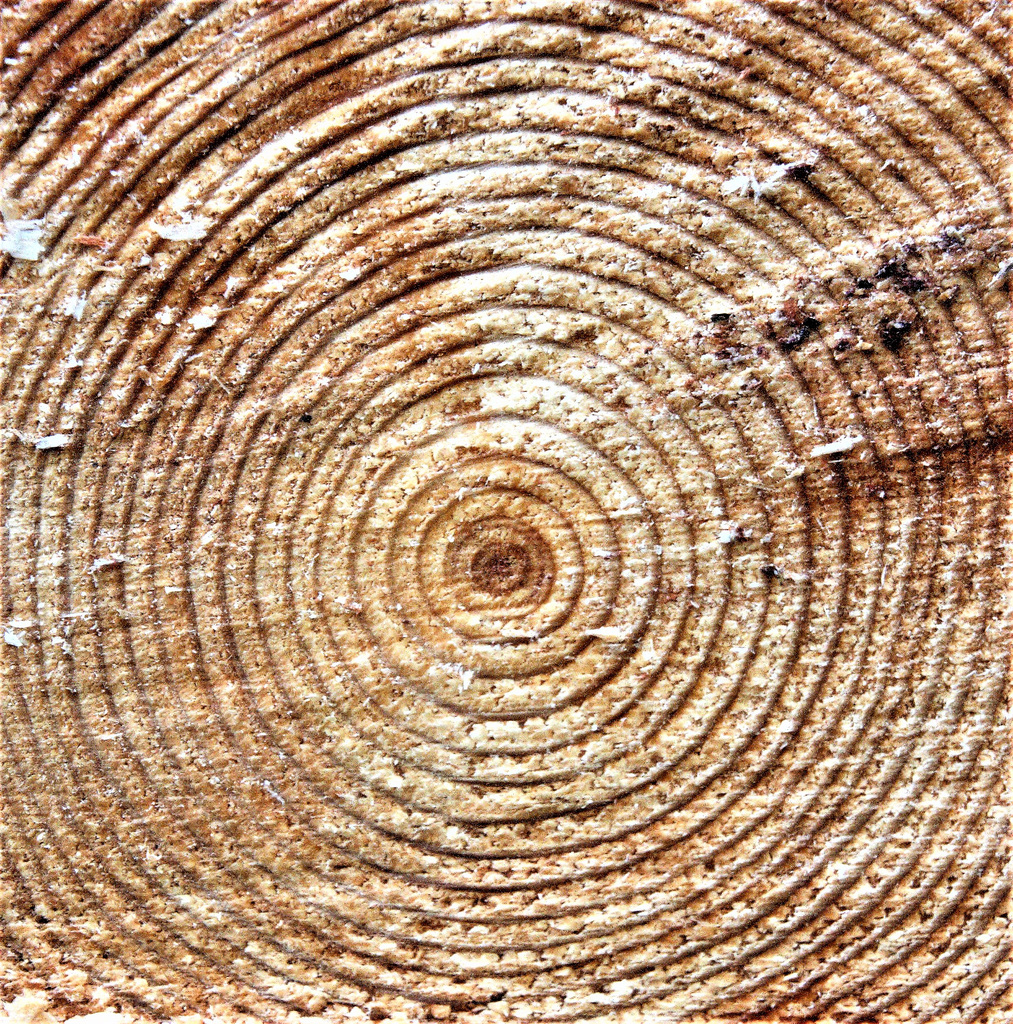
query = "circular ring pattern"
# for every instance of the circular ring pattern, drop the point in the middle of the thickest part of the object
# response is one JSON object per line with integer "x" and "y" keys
{"x": 505, "y": 510}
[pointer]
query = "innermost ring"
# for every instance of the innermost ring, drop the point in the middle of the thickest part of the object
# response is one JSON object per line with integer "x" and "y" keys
{"x": 500, "y": 565}
{"x": 500, "y": 568}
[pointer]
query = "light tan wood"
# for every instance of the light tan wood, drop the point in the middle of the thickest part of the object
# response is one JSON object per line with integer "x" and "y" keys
{"x": 506, "y": 511}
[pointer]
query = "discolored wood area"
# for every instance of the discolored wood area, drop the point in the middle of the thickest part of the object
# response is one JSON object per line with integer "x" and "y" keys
{"x": 505, "y": 511}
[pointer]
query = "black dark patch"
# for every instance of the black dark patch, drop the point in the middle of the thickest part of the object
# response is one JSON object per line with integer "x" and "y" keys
{"x": 770, "y": 571}
{"x": 720, "y": 318}
{"x": 893, "y": 332}
{"x": 306, "y": 418}
{"x": 949, "y": 240}
{"x": 810, "y": 325}
{"x": 800, "y": 172}
{"x": 892, "y": 268}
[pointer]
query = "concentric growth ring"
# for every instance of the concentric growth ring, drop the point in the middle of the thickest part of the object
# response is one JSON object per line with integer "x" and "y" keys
{"x": 505, "y": 511}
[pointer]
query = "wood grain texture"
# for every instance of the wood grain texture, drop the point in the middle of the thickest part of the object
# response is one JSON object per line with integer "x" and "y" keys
{"x": 505, "y": 511}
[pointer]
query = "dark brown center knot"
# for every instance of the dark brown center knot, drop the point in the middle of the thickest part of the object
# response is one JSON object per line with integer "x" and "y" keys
{"x": 500, "y": 568}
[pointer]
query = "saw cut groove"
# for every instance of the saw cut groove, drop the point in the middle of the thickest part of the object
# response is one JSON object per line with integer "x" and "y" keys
{"x": 505, "y": 511}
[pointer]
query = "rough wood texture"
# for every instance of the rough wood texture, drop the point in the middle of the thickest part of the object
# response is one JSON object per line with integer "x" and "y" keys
{"x": 506, "y": 511}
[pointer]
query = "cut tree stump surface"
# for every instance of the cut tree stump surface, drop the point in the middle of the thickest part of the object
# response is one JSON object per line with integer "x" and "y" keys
{"x": 505, "y": 511}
